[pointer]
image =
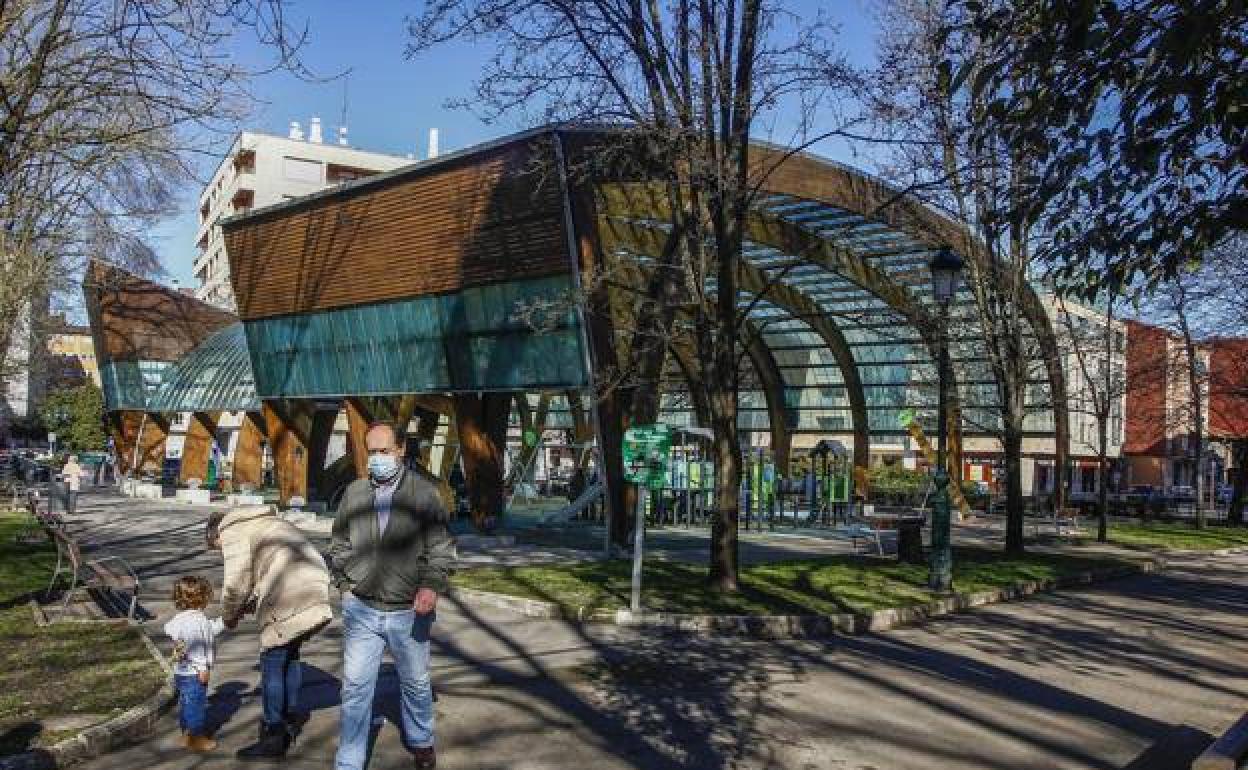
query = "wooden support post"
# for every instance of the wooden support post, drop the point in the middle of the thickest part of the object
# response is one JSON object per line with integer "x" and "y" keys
{"x": 249, "y": 453}
{"x": 124, "y": 428}
{"x": 197, "y": 447}
{"x": 151, "y": 440}
{"x": 358, "y": 420}
{"x": 481, "y": 421}
{"x": 289, "y": 427}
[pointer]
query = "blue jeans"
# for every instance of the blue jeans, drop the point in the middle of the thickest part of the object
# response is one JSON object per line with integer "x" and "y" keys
{"x": 367, "y": 633}
{"x": 192, "y": 703}
{"x": 281, "y": 676}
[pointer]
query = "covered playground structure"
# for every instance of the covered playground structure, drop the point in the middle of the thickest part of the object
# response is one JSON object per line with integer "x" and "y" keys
{"x": 443, "y": 296}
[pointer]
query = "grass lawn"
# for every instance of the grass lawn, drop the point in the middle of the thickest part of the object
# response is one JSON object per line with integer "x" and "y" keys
{"x": 827, "y": 585}
{"x": 1177, "y": 536}
{"x": 58, "y": 671}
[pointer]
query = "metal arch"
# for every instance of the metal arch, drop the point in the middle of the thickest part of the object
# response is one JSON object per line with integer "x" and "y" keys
{"x": 805, "y": 176}
{"x": 753, "y": 280}
{"x": 773, "y": 391}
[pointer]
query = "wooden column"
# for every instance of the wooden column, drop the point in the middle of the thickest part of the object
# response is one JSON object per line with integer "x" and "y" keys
{"x": 151, "y": 440}
{"x": 197, "y": 448}
{"x": 249, "y": 453}
{"x": 124, "y": 428}
{"x": 481, "y": 421}
{"x": 288, "y": 425}
{"x": 358, "y": 420}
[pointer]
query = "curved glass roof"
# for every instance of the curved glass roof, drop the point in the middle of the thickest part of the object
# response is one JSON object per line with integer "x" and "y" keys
{"x": 894, "y": 363}
{"x": 216, "y": 376}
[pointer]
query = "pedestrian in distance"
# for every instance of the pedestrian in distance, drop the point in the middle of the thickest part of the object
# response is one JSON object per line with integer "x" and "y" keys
{"x": 272, "y": 569}
{"x": 194, "y": 640}
{"x": 71, "y": 474}
{"x": 391, "y": 556}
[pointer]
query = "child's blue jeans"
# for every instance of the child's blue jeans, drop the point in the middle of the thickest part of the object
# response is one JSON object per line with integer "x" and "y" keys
{"x": 192, "y": 702}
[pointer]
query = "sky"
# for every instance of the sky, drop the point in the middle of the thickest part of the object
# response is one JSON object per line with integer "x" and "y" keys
{"x": 393, "y": 101}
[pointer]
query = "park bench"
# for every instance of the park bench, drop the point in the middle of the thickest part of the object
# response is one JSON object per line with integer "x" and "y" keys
{"x": 109, "y": 574}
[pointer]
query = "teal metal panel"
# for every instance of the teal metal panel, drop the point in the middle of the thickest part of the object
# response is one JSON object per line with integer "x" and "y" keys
{"x": 130, "y": 385}
{"x": 471, "y": 340}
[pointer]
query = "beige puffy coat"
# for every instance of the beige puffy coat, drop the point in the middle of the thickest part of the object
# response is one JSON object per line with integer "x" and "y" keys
{"x": 270, "y": 561}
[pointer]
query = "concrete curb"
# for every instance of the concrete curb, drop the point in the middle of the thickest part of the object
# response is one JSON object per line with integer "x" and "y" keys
{"x": 803, "y": 626}
{"x": 129, "y": 726}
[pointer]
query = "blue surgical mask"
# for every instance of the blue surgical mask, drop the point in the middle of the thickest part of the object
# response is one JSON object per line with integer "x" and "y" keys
{"x": 382, "y": 467}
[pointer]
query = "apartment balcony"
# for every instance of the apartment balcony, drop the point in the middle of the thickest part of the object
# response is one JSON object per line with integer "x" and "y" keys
{"x": 244, "y": 162}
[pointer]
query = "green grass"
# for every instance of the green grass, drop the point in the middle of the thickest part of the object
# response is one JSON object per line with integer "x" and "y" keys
{"x": 1167, "y": 535}
{"x": 827, "y": 585}
{"x": 58, "y": 670}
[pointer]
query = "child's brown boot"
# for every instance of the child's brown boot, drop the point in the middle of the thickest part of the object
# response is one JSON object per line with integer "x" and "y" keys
{"x": 200, "y": 743}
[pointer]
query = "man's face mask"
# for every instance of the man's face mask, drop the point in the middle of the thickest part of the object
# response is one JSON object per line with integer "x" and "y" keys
{"x": 382, "y": 467}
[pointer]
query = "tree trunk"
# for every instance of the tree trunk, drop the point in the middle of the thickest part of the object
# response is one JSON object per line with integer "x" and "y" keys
{"x": 1012, "y": 443}
{"x": 1235, "y": 514}
{"x": 724, "y": 521}
{"x": 1102, "y": 479}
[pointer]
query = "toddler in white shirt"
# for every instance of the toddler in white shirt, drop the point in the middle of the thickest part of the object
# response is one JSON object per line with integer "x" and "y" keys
{"x": 194, "y": 635}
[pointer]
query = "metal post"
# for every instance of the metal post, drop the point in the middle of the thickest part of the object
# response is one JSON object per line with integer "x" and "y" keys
{"x": 639, "y": 529}
{"x": 940, "y": 579}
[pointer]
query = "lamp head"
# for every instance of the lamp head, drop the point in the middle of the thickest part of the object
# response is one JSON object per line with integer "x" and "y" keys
{"x": 946, "y": 269}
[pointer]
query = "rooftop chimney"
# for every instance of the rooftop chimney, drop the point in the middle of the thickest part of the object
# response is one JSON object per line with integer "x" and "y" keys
{"x": 433, "y": 143}
{"x": 342, "y": 136}
{"x": 295, "y": 131}
{"x": 314, "y": 130}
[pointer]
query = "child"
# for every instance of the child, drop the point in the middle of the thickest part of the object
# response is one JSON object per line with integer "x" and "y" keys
{"x": 193, "y": 635}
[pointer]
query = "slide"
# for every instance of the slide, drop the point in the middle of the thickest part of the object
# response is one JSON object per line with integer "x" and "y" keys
{"x": 592, "y": 492}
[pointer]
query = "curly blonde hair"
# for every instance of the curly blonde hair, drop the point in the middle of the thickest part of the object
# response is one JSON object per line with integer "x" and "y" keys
{"x": 192, "y": 592}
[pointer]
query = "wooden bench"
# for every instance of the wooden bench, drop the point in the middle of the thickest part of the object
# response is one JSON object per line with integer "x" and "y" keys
{"x": 109, "y": 574}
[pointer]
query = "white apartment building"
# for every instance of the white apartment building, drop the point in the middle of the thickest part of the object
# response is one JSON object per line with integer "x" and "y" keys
{"x": 262, "y": 169}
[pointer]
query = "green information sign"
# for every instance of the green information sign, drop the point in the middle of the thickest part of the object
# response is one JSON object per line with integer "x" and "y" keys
{"x": 647, "y": 453}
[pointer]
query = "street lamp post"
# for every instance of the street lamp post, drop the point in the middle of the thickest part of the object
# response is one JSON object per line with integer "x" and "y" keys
{"x": 946, "y": 267}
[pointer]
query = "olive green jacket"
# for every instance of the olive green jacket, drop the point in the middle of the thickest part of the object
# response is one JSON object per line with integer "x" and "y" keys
{"x": 385, "y": 570}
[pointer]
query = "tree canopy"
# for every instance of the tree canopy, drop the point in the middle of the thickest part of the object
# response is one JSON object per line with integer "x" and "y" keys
{"x": 1133, "y": 118}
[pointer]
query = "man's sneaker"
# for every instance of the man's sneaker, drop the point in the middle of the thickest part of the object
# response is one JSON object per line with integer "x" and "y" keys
{"x": 424, "y": 758}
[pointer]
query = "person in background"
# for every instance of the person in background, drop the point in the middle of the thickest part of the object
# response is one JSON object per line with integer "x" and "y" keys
{"x": 71, "y": 474}
{"x": 194, "y": 636}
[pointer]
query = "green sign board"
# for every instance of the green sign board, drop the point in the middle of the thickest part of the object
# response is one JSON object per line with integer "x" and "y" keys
{"x": 647, "y": 453}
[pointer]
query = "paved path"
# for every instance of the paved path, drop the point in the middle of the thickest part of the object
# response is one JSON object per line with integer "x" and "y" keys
{"x": 1116, "y": 676}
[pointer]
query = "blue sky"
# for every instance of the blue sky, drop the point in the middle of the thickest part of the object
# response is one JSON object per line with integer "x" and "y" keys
{"x": 394, "y": 101}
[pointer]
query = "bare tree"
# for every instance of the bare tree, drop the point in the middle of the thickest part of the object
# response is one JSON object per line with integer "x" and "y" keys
{"x": 948, "y": 154}
{"x": 102, "y": 105}
{"x": 690, "y": 80}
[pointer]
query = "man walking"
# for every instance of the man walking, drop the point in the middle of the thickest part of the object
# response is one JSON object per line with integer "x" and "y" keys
{"x": 391, "y": 557}
{"x": 272, "y": 567}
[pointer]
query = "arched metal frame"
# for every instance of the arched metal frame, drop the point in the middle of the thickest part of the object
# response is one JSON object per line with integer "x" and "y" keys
{"x": 634, "y": 215}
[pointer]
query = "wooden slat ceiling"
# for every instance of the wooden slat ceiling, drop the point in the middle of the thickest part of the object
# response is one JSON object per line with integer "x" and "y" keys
{"x": 135, "y": 319}
{"x": 485, "y": 218}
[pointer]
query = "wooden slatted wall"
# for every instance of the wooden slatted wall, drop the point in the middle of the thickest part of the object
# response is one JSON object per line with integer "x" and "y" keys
{"x": 489, "y": 217}
{"x": 136, "y": 319}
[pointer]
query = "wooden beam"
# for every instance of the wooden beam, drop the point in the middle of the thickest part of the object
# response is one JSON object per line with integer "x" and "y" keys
{"x": 358, "y": 420}
{"x": 481, "y": 421}
{"x": 197, "y": 447}
{"x": 152, "y": 439}
{"x": 249, "y": 453}
{"x": 288, "y": 425}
